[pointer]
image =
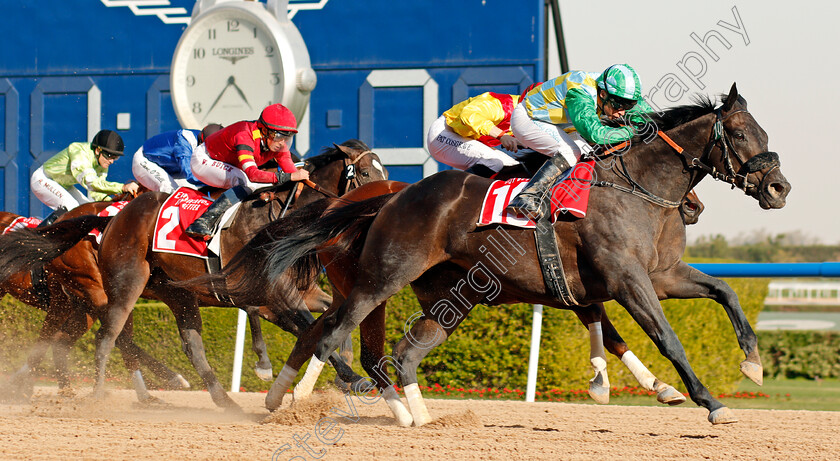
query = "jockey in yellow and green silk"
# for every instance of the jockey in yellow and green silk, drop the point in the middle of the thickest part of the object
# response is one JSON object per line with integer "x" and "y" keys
{"x": 561, "y": 117}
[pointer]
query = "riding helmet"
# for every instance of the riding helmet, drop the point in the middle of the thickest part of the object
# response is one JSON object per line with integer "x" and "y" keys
{"x": 109, "y": 141}
{"x": 277, "y": 117}
{"x": 622, "y": 81}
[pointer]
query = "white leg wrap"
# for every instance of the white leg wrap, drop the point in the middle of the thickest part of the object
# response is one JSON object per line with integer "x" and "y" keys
{"x": 274, "y": 398}
{"x": 416, "y": 404}
{"x": 179, "y": 381}
{"x": 395, "y": 404}
{"x": 642, "y": 374}
{"x": 139, "y": 385}
{"x": 304, "y": 388}
{"x": 597, "y": 356}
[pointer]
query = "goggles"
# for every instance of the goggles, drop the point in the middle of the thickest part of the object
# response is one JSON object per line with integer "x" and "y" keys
{"x": 108, "y": 155}
{"x": 618, "y": 103}
{"x": 273, "y": 135}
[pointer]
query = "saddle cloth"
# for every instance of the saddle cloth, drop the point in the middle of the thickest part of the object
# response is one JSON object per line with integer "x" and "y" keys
{"x": 110, "y": 210}
{"x": 183, "y": 207}
{"x": 20, "y": 223}
{"x": 570, "y": 195}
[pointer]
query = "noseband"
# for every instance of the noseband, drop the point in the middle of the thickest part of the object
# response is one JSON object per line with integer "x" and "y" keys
{"x": 350, "y": 176}
{"x": 718, "y": 138}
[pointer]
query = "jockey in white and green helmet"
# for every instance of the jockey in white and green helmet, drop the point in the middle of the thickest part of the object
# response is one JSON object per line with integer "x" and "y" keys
{"x": 562, "y": 117}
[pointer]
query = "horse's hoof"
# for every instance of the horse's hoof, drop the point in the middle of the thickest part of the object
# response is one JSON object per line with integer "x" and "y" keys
{"x": 265, "y": 374}
{"x": 671, "y": 396}
{"x": 152, "y": 402}
{"x": 599, "y": 394}
{"x": 722, "y": 415}
{"x": 362, "y": 387}
{"x": 177, "y": 383}
{"x": 273, "y": 402}
{"x": 754, "y": 371}
{"x": 299, "y": 395}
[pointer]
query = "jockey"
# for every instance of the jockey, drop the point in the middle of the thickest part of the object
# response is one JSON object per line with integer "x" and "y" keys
{"x": 162, "y": 163}
{"x": 230, "y": 159}
{"x": 85, "y": 164}
{"x": 466, "y": 135}
{"x": 562, "y": 116}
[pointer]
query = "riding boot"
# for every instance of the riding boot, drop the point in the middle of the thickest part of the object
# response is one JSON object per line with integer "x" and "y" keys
{"x": 480, "y": 170}
{"x": 529, "y": 201}
{"x": 53, "y": 216}
{"x": 203, "y": 227}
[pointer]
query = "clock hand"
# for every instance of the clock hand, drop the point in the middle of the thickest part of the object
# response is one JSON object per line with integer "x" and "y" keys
{"x": 240, "y": 92}
{"x": 229, "y": 83}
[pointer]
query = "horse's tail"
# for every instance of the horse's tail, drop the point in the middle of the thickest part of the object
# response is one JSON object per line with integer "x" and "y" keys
{"x": 337, "y": 230}
{"x": 236, "y": 279}
{"x": 28, "y": 248}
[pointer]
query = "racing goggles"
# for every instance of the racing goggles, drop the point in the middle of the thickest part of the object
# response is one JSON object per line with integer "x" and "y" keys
{"x": 275, "y": 135}
{"x": 618, "y": 103}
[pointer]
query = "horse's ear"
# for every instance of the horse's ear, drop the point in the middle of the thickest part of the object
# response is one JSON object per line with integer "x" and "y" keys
{"x": 730, "y": 100}
{"x": 347, "y": 150}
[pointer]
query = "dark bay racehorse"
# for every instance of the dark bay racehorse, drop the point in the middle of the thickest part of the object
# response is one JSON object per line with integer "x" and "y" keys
{"x": 341, "y": 271}
{"x": 627, "y": 249}
{"x": 71, "y": 296}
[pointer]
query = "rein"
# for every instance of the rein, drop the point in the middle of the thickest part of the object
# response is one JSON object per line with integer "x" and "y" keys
{"x": 717, "y": 138}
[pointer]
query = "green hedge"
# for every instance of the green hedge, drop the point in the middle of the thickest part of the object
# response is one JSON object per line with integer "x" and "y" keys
{"x": 490, "y": 349}
{"x": 800, "y": 354}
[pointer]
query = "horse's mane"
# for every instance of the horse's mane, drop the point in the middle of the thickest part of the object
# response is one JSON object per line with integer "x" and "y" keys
{"x": 329, "y": 154}
{"x": 675, "y": 116}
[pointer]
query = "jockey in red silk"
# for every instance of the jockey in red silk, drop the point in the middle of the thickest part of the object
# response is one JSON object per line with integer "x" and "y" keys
{"x": 231, "y": 158}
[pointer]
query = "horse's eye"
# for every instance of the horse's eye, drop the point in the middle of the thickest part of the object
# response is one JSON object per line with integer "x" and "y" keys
{"x": 365, "y": 174}
{"x": 739, "y": 135}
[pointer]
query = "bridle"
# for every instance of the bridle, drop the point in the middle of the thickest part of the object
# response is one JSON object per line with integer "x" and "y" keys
{"x": 718, "y": 138}
{"x": 696, "y": 165}
{"x": 349, "y": 177}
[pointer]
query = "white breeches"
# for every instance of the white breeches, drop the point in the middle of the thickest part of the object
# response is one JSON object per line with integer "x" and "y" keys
{"x": 54, "y": 194}
{"x": 547, "y": 138}
{"x": 153, "y": 177}
{"x": 219, "y": 174}
{"x": 450, "y": 148}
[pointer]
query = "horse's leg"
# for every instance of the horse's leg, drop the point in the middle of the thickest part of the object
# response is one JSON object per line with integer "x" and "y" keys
{"x": 375, "y": 363}
{"x": 132, "y": 363}
{"x": 21, "y": 381}
{"x": 188, "y": 318}
{"x": 633, "y": 290}
{"x": 599, "y": 385}
{"x": 77, "y": 323}
{"x": 684, "y": 281}
{"x": 263, "y": 366}
{"x": 615, "y": 344}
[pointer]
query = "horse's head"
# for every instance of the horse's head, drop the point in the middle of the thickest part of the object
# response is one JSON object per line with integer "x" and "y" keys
{"x": 346, "y": 166}
{"x": 744, "y": 155}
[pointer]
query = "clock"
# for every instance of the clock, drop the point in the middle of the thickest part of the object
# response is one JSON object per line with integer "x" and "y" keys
{"x": 235, "y": 58}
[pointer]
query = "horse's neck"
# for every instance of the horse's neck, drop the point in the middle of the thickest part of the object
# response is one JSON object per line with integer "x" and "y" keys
{"x": 659, "y": 168}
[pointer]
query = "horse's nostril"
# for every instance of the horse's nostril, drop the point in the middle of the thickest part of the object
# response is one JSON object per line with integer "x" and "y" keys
{"x": 776, "y": 189}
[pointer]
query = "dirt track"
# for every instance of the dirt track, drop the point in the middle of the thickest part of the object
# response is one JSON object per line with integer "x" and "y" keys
{"x": 51, "y": 427}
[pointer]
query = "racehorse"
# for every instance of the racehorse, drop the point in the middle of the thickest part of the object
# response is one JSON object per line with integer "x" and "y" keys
{"x": 341, "y": 272}
{"x": 130, "y": 269}
{"x": 68, "y": 296}
{"x": 627, "y": 249}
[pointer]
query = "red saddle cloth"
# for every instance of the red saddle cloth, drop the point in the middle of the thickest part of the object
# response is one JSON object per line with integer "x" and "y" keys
{"x": 20, "y": 223}
{"x": 569, "y": 196}
{"x": 110, "y": 210}
{"x": 183, "y": 207}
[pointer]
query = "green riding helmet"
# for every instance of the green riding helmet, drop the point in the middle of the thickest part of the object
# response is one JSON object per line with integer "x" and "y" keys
{"x": 622, "y": 81}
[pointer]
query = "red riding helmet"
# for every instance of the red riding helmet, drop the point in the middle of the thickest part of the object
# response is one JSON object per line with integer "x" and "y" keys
{"x": 277, "y": 117}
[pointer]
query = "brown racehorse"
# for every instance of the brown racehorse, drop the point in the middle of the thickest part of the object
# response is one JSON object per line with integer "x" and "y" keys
{"x": 68, "y": 297}
{"x": 130, "y": 268}
{"x": 627, "y": 249}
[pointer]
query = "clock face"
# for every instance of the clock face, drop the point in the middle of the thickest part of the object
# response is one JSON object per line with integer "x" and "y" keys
{"x": 227, "y": 68}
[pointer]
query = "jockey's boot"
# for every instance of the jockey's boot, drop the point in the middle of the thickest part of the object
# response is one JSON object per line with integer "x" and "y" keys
{"x": 53, "y": 216}
{"x": 529, "y": 201}
{"x": 481, "y": 170}
{"x": 203, "y": 227}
